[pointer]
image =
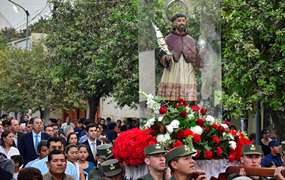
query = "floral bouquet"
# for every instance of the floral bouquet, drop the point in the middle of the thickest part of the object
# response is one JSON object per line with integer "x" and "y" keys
{"x": 182, "y": 125}
{"x": 129, "y": 146}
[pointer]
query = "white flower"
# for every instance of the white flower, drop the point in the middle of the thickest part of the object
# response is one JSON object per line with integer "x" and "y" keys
{"x": 149, "y": 97}
{"x": 161, "y": 138}
{"x": 160, "y": 118}
{"x": 225, "y": 126}
{"x": 151, "y": 103}
{"x": 149, "y": 123}
{"x": 233, "y": 144}
{"x": 175, "y": 123}
{"x": 210, "y": 119}
{"x": 193, "y": 155}
{"x": 169, "y": 128}
{"x": 190, "y": 116}
{"x": 197, "y": 130}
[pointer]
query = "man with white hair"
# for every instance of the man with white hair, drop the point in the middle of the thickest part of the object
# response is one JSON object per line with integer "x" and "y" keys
{"x": 23, "y": 128}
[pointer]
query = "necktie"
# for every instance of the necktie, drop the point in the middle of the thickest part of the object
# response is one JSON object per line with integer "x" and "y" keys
{"x": 36, "y": 142}
{"x": 94, "y": 150}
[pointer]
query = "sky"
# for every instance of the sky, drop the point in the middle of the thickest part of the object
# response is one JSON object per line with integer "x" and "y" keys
{"x": 36, "y": 8}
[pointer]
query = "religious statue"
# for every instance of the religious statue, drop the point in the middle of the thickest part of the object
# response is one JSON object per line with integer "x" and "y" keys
{"x": 178, "y": 79}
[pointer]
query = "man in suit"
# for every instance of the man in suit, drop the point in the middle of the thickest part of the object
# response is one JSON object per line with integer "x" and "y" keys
{"x": 92, "y": 142}
{"x": 15, "y": 129}
{"x": 29, "y": 141}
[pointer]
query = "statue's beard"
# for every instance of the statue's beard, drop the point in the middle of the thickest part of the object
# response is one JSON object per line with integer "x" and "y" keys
{"x": 181, "y": 28}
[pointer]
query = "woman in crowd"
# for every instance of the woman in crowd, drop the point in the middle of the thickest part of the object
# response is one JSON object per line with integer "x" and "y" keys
{"x": 118, "y": 127}
{"x": 71, "y": 153}
{"x": 265, "y": 141}
{"x": 83, "y": 154}
{"x": 72, "y": 139}
{"x": 6, "y": 145}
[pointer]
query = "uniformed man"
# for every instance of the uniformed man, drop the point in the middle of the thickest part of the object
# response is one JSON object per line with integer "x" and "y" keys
{"x": 112, "y": 169}
{"x": 154, "y": 158}
{"x": 250, "y": 157}
{"x": 104, "y": 152}
{"x": 181, "y": 164}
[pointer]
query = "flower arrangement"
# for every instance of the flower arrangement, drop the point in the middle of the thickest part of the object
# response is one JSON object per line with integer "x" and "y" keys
{"x": 129, "y": 146}
{"x": 182, "y": 125}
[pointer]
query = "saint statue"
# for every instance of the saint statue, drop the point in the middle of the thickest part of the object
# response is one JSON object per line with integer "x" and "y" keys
{"x": 178, "y": 79}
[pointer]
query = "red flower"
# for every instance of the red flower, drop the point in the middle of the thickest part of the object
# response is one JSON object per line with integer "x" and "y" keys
{"x": 179, "y": 134}
{"x": 195, "y": 108}
{"x": 227, "y": 123}
{"x": 236, "y": 139}
{"x": 208, "y": 154}
{"x": 183, "y": 114}
{"x": 187, "y": 133}
{"x": 198, "y": 154}
{"x": 177, "y": 143}
{"x": 163, "y": 110}
{"x": 169, "y": 149}
{"x": 221, "y": 129}
{"x": 153, "y": 132}
{"x": 207, "y": 130}
{"x": 181, "y": 102}
{"x": 216, "y": 139}
{"x": 219, "y": 151}
{"x": 215, "y": 125}
{"x": 203, "y": 111}
{"x": 233, "y": 132}
{"x": 200, "y": 122}
{"x": 231, "y": 158}
{"x": 196, "y": 138}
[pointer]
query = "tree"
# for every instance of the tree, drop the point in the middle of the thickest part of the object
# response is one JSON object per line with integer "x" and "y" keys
{"x": 95, "y": 51}
{"x": 24, "y": 84}
{"x": 253, "y": 55}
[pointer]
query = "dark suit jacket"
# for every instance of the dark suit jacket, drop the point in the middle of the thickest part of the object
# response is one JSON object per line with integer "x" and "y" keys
{"x": 19, "y": 134}
{"x": 27, "y": 148}
{"x": 90, "y": 158}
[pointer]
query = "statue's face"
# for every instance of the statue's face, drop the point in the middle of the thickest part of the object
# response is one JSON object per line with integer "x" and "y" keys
{"x": 180, "y": 24}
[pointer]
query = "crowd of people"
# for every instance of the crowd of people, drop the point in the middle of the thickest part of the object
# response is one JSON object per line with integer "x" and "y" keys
{"x": 31, "y": 151}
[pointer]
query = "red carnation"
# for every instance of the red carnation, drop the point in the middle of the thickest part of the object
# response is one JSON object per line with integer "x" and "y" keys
{"x": 203, "y": 111}
{"x": 221, "y": 129}
{"x": 187, "y": 133}
{"x": 200, "y": 122}
{"x": 231, "y": 158}
{"x": 198, "y": 154}
{"x": 181, "y": 102}
{"x": 208, "y": 154}
{"x": 163, "y": 110}
{"x": 216, "y": 139}
{"x": 219, "y": 151}
{"x": 179, "y": 134}
{"x": 227, "y": 123}
{"x": 195, "y": 108}
{"x": 236, "y": 139}
{"x": 183, "y": 114}
{"x": 207, "y": 130}
{"x": 177, "y": 143}
{"x": 169, "y": 149}
{"x": 215, "y": 125}
{"x": 196, "y": 138}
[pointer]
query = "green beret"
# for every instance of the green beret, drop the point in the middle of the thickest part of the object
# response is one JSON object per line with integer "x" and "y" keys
{"x": 105, "y": 151}
{"x": 111, "y": 167}
{"x": 154, "y": 149}
{"x": 178, "y": 152}
{"x": 251, "y": 149}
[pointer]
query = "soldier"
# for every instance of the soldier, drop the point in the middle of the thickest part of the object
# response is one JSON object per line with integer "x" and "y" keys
{"x": 181, "y": 164}
{"x": 112, "y": 169}
{"x": 104, "y": 152}
{"x": 154, "y": 158}
{"x": 250, "y": 157}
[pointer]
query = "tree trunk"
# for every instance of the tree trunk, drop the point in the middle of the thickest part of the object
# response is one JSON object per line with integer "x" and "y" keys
{"x": 93, "y": 103}
{"x": 42, "y": 113}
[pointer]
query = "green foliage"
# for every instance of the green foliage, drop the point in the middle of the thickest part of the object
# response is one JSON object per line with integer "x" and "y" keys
{"x": 23, "y": 82}
{"x": 95, "y": 50}
{"x": 253, "y": 54}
